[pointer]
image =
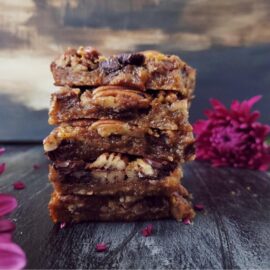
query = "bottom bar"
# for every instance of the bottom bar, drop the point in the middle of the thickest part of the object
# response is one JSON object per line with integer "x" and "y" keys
{"x": 77, "y": 208}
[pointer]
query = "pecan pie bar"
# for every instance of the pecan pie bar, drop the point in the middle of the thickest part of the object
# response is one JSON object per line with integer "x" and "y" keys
{"x": 155, "y": 109}
{"x": 77, "y": 208}
{"x": 86, "y": 140}
{"x": 116, "y": 174}
{"x": 141, "y": 70}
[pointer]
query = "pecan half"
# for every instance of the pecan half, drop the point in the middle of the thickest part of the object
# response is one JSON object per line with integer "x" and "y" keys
{"x": 105, "y": 128}
{"x": 117, "y": 97}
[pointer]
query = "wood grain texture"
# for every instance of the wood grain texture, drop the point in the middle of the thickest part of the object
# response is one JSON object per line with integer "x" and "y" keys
{"x": 233, "y": 232}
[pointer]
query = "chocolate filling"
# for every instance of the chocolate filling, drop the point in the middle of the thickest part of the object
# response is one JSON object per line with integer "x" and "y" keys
{"x": 75, "y": 171}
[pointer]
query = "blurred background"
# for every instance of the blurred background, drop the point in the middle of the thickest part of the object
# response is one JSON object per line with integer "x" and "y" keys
{"x": 228, "y": 42}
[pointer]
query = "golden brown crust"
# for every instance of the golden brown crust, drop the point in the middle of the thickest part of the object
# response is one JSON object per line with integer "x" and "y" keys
{"x": 142, "y": 70}
{"x": 160, "y": 109}
{"x": 86, "y": 140}
{"x": 73, "y": 209}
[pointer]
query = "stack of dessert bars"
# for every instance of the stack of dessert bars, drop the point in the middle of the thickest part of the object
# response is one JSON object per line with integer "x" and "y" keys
{"x": 122, "y": 134}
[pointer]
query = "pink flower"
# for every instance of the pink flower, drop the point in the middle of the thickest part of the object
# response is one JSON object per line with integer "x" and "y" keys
{"x": 19, "y": 185}
{"x": 7, "y": 204}
{"x": 2, "y": 167}
{"x": 11, "y": 255}
{"x": 2, "y": 150}
{"x": 6, "y": 226}
{"x": 233, "y": 137}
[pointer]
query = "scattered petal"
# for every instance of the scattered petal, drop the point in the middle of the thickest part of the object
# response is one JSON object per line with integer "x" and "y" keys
{"x": 7, "y": 204}
{"x": 2, "y": 167}
{"x": 186, "y": 221}
{"x": 11, "y": 255}
{"x": 6, "y": 226}
{"x": 199, "y": 207}
{"x": 19, "y": 185}
{"x": 63, "y": 225}
{"x": 148, "y": 230}
{"x": 2, "y": 150}
{"x": 101, "y": 247}
{"x": 36, "y": 166}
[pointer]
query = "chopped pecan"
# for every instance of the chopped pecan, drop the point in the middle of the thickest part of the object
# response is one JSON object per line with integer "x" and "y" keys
{"x": 108, "y": 176}
{"x": 139, "y": 168}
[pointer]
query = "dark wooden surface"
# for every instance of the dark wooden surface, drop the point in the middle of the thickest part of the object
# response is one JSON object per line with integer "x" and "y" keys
{"x": 233, "y": 232}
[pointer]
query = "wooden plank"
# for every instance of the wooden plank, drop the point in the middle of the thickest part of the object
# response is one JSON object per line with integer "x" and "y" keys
{"x": 233, "y": 232}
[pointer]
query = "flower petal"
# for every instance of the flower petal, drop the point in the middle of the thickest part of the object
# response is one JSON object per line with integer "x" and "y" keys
{"x": 2, "y": 167}
{"x": 253, "y": 100}
{"x": 101, "y": 247}
{"x": 186, "y": 221}
{"x": 36, "y": 166}
{"x": 63, "y": 225}
{"x": 7, "y": 204}
{"x": 6, "y": 226}
{"x": 11, "y": 255}
{"x": 199, "y": 207}
{"x": 19, "y": 185}
{"x": 148, "y": 230}
{"x": 2, "y": 150}
{"x": 6, "y": 237}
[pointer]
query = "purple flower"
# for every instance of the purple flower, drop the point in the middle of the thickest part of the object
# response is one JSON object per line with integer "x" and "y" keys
{"x": 2, "y": 150}
{"x": 11, "y": 255}
{"x": 7, "y": 204}
{"x": 233, "y": 137}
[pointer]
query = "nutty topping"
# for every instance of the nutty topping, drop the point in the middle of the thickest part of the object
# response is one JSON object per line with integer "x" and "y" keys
{"x": 109, "y": 161}
{"x": 105, "y": 128}
{"x": 117, "y": 97}
{"x": 139, "y": 168}
{"x": 50, "y": 143}
{"x": 108, "y": 176}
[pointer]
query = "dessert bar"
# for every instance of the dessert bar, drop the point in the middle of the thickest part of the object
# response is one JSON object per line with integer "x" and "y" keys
{"x": 86, "y": 140}
{"x": 77, "y": 208}
{"x": 155, "y": 109}
{"x": 141, "y": 70}
{"x": 114, "y": 173}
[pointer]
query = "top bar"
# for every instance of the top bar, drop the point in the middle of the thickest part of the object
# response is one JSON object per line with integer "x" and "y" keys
{"x": 141, "y": 70}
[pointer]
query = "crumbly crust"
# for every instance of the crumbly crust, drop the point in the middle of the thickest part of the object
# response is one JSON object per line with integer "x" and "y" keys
{"x": 142, "y": 70}
{"x": 86, "y": 140}
{"x": 73, "y": 209}
{"x": 159, "y": 109}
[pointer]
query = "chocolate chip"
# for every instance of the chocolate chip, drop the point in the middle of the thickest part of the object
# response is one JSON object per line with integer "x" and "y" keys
{"x": 110, "y": 65}
{"x": 136, "y": 59}
{"x": 91, "y": 53}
